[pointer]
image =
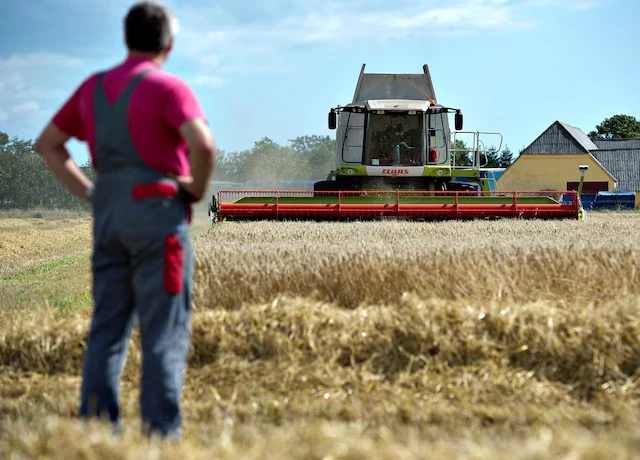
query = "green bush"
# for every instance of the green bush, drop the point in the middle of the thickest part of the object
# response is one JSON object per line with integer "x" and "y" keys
{"x": 26, "y": 182}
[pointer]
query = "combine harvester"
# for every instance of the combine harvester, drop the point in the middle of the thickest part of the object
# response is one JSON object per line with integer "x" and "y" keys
{"x": 395, "y": 157}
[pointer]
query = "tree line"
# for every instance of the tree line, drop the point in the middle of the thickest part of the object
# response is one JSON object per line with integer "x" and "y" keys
{"x": 304, "y": 158}
{"x": 26, "y": 183}
{"x": 617, "y": 127}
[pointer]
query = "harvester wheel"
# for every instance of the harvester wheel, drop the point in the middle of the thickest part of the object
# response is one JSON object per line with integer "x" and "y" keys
{"x": 213, "y": 210}
{"x": 325, "y": 186}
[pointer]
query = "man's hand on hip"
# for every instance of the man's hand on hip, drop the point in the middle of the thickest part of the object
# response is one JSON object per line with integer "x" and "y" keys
{"x": 51, "y": 146}
{"x": 186, "y": 183}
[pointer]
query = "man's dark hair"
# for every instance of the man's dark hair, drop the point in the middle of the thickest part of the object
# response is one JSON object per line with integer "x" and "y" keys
{"x": 148, "y": 27}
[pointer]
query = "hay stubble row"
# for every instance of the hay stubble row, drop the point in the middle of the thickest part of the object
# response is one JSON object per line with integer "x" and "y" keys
{"x": 378, "y": 340}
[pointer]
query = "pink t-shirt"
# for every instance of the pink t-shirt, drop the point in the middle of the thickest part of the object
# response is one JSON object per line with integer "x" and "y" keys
{"x": 159, "y": 105}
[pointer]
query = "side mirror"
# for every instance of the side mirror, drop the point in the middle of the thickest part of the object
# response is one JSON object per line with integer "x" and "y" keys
{"x": 458, "y": 121}
{"x": 332, "y": 119}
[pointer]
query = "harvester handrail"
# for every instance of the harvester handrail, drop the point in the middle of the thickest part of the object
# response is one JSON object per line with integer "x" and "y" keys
{"x": 475, "y": 148}
{"x": 372, "y": 191}
{"x": 280, "y": 193}
{"x": 282, "y": 204}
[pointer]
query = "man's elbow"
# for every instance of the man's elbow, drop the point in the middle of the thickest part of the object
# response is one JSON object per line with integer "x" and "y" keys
{"x": 49, "y": 141}
{"x": 39, "y": 146}
{"x": 212, "y": 154}
{"x": 208, "y": 150}
{"x": 200, "y": 140}
{"x": 50, "y": 153}
{"x": 45, "y": 149}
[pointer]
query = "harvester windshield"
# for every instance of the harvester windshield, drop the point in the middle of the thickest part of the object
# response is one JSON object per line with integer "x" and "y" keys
{"x": 395, "y": 139}
{"x": 399, "y": 139}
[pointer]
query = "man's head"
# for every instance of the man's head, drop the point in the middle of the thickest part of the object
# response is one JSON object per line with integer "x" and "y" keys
{"x": 398, "y": 122}
{"x": 150, "y": 28}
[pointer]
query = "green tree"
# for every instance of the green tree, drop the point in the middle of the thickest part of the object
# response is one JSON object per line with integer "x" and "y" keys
{"x": 269, "y": 160}
{"x": 305, "y": 158}
{"x": 493, "y": 159}
{"x": 506, "y": 158}
{"x": 26, "y": 182}
{"x": 617, "y": 127}
{"x": 318, "y": 152}
{"x": 228, "y": 166}
{"x": 461, "y": 153}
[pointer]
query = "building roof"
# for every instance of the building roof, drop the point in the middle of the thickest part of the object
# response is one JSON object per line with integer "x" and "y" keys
{"x": 618, "y": 144}
{"x": 621, "y": 157}
{"x": 580, "y": 137}
{"x": 561, "y": 138}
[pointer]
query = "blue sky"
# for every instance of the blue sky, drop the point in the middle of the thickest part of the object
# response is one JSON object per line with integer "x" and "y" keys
{"x": 274, "y": 67}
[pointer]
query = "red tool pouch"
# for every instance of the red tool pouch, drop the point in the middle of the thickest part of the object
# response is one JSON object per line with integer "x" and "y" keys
{"x": 154, "y": 189}
{"x": 157, "y": 189}
{"x": 173, "y": 265}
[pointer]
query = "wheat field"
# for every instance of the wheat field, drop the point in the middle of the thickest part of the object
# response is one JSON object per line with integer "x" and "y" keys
{"x": 491, "y": 339}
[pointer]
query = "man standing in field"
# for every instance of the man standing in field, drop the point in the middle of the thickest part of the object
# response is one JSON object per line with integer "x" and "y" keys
{"x": 153, "y": 155}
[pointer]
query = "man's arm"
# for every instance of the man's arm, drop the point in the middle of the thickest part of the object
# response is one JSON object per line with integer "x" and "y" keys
{"x": 184, "y": 113}
{"x": 51, "y": 146}
{"x": 202, "y": 156}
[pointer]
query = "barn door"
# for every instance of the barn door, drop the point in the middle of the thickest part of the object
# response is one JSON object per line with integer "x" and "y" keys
{"x": 589, "y": 188}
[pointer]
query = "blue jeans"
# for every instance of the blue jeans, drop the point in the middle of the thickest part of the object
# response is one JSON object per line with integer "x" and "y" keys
{"x": 142, "y": 268}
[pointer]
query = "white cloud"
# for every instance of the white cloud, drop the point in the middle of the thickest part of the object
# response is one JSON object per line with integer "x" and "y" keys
{"x": 27, "y": 106}
{"x": 31, "y": 60}
{"x": 30, "y": 75}
{"x": 580, "y": 5}
{"x": 33, "y": 84}
{"x": 208, "y": 81}
{"x": 585, "y": 5}
{"x": 231, "y": 36}
{"x": 11, "y": 82}
{"x": 234, "y": 37}
{"x": 258, "y": 68}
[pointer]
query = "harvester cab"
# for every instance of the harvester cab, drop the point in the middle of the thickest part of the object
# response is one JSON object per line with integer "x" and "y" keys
{"x": 396, "y": 156}
{"x": 394, "y": 135}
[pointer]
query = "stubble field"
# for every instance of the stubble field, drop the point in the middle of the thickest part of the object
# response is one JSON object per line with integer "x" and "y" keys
{"x": 503, "y": 339}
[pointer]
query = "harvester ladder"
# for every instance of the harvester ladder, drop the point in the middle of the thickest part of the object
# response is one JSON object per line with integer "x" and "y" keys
{"x": 492, "y": 178}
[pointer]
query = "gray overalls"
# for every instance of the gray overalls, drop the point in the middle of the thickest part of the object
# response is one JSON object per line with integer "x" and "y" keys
{"x": 142, "y": 263}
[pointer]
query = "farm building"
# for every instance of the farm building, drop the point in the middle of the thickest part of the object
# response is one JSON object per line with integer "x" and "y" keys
{"x": 551, "y": 163}
{"x": 621, "y": 157}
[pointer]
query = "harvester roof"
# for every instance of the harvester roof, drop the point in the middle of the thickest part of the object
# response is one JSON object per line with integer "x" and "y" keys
{"x": 375, "y": 86}
{"x": 397, "y": 105}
